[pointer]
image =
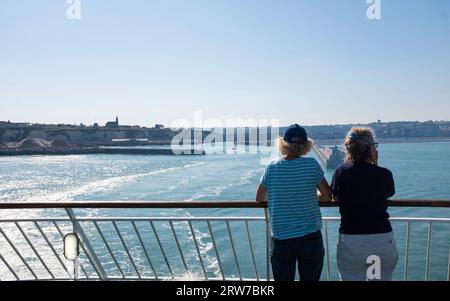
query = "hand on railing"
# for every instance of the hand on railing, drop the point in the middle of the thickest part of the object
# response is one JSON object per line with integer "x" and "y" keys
{"x": 261, "y": 194}
{"x": 324, "y": 193}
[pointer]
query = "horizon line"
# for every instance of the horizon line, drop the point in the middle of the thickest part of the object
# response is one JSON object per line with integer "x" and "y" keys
{"x": 194, "y": 127}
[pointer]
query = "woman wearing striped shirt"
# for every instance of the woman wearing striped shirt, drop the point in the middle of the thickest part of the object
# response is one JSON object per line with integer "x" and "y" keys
{"x": 292, "y": 186}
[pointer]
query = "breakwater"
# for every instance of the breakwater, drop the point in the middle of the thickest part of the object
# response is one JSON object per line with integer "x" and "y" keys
{"x": 96, "y": 150}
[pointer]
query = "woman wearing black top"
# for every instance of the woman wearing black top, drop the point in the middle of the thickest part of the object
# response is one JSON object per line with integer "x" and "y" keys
{"x": 366, "y": 247}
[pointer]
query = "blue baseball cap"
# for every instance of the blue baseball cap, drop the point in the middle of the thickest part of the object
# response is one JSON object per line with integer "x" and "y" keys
{"x": 295, "y": 134}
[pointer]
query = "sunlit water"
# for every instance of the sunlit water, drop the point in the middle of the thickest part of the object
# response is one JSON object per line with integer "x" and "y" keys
{"x": 420, "y": 172}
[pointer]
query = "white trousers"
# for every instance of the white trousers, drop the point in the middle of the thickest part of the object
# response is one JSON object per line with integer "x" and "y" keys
{"x": 367, "y": 256}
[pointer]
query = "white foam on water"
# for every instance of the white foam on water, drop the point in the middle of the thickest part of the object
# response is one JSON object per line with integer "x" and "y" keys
{"x": 211, "y": 263}
{"x": 17, "y": 184}
{"x": 188, "y": 276}
{"x": 103, "y": 185}
{"x": 213, "y": 191}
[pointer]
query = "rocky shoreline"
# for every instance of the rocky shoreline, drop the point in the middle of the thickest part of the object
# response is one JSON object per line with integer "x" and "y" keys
{"x": 49, "y": 151}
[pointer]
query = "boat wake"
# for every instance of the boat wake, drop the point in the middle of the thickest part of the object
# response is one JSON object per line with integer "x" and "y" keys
{"x": 104, "y": 185}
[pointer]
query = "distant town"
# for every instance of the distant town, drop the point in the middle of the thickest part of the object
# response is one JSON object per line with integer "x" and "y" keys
{"x": 386, "y": 130}
{"x": 32, "y": 138}
{"x": 108, "y": 125}
{"x": 398, "y": 129}
{"x": 21, "y": 138}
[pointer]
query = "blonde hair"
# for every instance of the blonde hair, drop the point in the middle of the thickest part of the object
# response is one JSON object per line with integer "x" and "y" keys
{"x": 294, "y": 149}
{"x": 358, "y": 144}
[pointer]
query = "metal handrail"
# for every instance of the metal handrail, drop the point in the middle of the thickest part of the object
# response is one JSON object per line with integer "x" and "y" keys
{"x": 134, "y": 220}
{"x": 196, "y": 204}
{"x": 142, "y": 225}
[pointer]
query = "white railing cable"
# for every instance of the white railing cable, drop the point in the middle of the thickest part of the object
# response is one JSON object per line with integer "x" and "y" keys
{"x": 126, "y": 250}
{"x": 215, "y": 249}
{"x": 251, "y": 250}
{"x": 52, "y": 248}
{"x": 233, "y": 248}
{"x": 12, "y": 245}
{"x": 152, "y": 267}
{"x": 197, "y": 248}
{"x": 161, "y": 248}
{"x": 102, "y": 236}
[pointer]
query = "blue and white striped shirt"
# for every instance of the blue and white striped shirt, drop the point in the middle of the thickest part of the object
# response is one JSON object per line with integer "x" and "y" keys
{"x": 292, "y": 196}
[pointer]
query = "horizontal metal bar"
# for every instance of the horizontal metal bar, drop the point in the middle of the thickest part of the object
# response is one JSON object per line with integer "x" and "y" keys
{"x": 196, "y": 204}
{"x": 401, "y": 219}
{"x": 137, "y": 219}
{"x": 420, "y": 219}
{"x": 37, "y": 219}
{"x": 204, "y": 218}
{"x": 419, "y": 203}
{"x": 132, "y": 204}
{"x": 146, "y": 278}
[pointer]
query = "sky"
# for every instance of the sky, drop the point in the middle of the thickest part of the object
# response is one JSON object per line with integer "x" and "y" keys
{"x": 159, "y": 61}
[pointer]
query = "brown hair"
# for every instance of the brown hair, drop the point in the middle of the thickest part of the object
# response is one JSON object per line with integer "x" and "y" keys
{"x": 294, "y": 149}
{"x": 358, "y": 143}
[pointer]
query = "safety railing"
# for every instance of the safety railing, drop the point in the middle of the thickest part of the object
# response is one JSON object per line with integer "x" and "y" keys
{"x": 184, "y": 247}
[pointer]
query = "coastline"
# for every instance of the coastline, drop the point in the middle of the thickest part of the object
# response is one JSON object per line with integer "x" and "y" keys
{"x": 388, "y": 140}
{"x": 127, "y": 149}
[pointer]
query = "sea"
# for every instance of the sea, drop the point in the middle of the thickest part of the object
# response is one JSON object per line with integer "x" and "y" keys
{"x": 421, "y": 171}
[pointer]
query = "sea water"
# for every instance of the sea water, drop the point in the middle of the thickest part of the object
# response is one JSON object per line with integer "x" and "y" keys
{"x": 421, "y": 171}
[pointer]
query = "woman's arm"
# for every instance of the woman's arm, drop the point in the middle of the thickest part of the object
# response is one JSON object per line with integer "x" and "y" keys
{"x": 261, "y": 194}
{"x": 324, "y": 191}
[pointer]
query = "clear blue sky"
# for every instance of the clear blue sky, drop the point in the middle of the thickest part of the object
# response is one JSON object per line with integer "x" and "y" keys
{"x": 149, "y": 61}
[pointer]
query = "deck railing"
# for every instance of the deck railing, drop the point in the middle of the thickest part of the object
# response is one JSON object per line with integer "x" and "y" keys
{"x": 173, "y": 247}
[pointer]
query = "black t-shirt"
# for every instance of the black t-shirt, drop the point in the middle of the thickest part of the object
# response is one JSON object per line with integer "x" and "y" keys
{"x": 363, "y": 190}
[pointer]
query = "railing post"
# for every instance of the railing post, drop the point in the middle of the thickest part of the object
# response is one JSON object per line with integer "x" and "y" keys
{"x": 327, "y": 249}
{"x": 268, "y": 240}
{"x": 427, "y": 266}
{"x": 448, "y": 266}
{"x": 89, "y": 250}
{"x": 408, "y": 234}
{"x": 76, "y": 262}
{"x": 76, "y": 269}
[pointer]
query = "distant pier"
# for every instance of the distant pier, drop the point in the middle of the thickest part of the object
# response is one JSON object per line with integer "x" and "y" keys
{"x": 98, "y": 150}
{"x": 149, "y": 151}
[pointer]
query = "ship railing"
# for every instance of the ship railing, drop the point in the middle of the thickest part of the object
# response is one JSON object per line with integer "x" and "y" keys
{"x": 123, "y": 247}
